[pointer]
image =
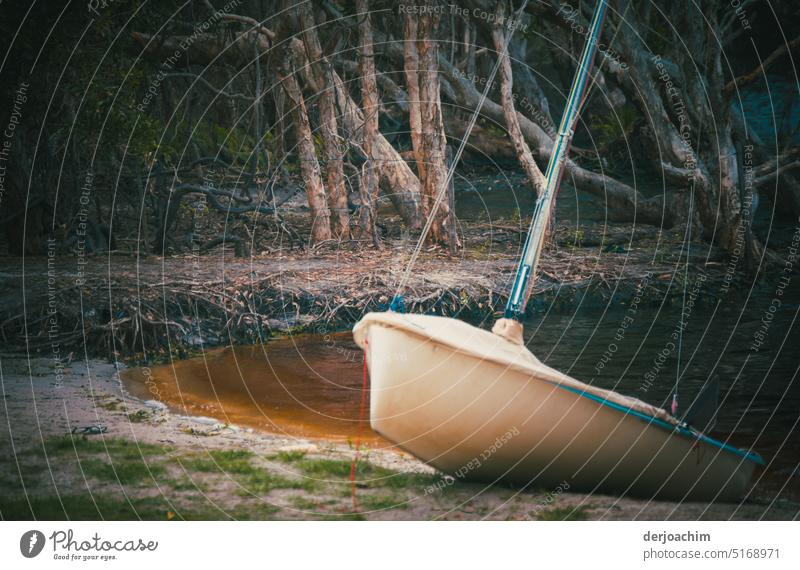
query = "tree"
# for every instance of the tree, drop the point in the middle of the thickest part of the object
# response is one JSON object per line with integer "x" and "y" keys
{"x": 535, "y": 176}
{"x": 369, "y": 96}
{"x": 434, "y": 142}
{"x": 322, "y": 74}
{"x": 306, "y": 153}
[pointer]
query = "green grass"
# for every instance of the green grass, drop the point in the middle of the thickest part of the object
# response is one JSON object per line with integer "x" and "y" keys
{"x": 110, "y": 507}
{"x": 306, "y": 504}
{"x": 83, "y": 507}
{"x": 335, "y": 470}
{"x": 254, "y": 479}
{"x": 289, "y": 456}
{"x": 262, "y": 481}
{"x": 29, "y": 472}
{"x": 106, "y": 459}
{"x": 188, "y": 483}
{"x": 235, "y": 461}
{"x": 112, "y": 460}
{"x": 564, "y": 514}
{"x": 125, "y": 472}
{"x": 341, "y": 517}
{"x": 113, "y": 447}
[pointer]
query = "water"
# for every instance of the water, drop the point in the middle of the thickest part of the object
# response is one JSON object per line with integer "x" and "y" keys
{"x": 772, "y": 109}
{"x": 304, "y": 386}
{"x": 310, "y": 385}
{"x": 636, "y": 353}
{"x": 489, "y": 197}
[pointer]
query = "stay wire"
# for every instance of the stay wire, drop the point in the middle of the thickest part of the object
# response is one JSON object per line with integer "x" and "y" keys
{"x": 440, "y": 196}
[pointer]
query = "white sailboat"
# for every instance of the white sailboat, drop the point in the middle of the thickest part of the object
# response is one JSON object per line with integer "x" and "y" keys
{"x": 480, "y": 406}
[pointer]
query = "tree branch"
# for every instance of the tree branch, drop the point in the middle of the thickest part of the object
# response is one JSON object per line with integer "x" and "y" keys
{"x": 758, "y": 71}
{"x": 203, "y": 81}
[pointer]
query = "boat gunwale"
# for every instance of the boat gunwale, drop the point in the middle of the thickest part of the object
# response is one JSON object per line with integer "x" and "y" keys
{"x": 680, "y": 429}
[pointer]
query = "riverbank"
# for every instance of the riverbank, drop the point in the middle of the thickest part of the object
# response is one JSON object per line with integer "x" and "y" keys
{"x": 153, "y": 464}
{"x": 151, "y": 309}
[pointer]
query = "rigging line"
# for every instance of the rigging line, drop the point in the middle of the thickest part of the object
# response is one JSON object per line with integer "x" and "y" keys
{"x": 682, "y": 324}
{"x": 456, "y": 158}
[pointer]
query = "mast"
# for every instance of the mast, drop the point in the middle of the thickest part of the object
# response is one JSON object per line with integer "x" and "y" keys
{"x": 526, "y": 271}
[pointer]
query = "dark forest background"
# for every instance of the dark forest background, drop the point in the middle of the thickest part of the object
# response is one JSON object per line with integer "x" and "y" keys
{"x": 135, "y": 123}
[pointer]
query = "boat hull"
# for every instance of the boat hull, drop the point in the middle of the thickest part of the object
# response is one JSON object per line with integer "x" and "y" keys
{"x": 480, "y": 420}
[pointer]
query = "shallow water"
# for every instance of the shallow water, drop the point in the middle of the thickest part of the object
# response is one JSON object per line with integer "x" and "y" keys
{"x": 304, "y": 385}
{"x": 759, "y": 389}
{"x": 310, "y": 385}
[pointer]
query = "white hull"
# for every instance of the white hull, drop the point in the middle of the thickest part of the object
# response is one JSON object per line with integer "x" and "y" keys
{"x": 514, "y": 419}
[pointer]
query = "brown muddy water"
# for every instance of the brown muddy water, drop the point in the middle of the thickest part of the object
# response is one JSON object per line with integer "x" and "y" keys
{"x": 303, "y": 385}
{"x": 310, "y": 385}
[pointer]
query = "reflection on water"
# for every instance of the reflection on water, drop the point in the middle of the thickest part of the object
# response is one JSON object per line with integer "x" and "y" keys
{"x": 310, "y": 385}
{"x": 759, "y": 390}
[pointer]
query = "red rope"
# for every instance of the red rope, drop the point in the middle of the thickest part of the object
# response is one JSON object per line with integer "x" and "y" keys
{"x": 360, "y": 429}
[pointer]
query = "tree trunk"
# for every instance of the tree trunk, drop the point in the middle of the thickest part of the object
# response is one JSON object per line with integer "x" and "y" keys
{"x": 535, "y": 176}
{"x": 532, "y": 100}
{"x": 369, "y": 183}
{"x": 309, "y": 167}
{"x": 411, "y": 68}
{"x": 630, "y": 203}
{"x": 397, "y": 179}
{"x": 329, "y": 130}
{"x": 434, "y": 142}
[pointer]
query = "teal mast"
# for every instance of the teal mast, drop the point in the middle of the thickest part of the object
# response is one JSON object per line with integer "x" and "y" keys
{"x": 526, "y": 271}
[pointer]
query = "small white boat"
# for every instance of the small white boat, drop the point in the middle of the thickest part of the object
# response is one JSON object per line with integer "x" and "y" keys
{"x": 479, "y": 406}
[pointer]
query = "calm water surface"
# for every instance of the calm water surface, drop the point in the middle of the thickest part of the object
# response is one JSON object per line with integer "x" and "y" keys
{"x": 310, "y": 385}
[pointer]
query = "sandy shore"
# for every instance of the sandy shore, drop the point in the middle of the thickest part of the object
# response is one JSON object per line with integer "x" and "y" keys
{"x": 151, "y": 463}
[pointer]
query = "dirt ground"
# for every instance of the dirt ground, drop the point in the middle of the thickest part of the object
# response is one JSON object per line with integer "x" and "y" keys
{"x": 150, "y": 463}
{"x": 149, "y": 307}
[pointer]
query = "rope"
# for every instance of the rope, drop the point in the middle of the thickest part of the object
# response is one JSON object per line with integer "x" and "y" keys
{"x": 674, "y": 406}
{"x": 440, "y": 196}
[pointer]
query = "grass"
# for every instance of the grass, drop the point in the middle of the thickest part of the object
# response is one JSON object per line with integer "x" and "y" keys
{"x": 262, "y": 481}
{"x": 112, "y": 459}
{"x": 367, "y": 474}
{"x": 99, "y": 445}
{"x": 305, "y": 504}
{"x": 187, "y": 483}
{"x": 124, "y": 472}
{"x": 83, "y": 507}
{"x": 234, "y": 461}
{"x": 564, "y": 514}
{"x": 253, "y": 478}
{"x": 343, "y": 517}
{"x": 110, "y": 507}
{"x": 107, "y": 460}
{"x": 289, "y": 456}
